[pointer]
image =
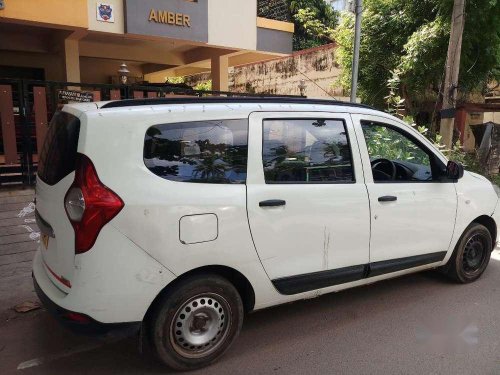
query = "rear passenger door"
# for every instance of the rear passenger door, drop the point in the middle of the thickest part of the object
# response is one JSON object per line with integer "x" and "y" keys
{"x": 307, "y": 204}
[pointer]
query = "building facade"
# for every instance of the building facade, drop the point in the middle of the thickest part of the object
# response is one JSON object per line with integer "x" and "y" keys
{"x": 88, "y": 40}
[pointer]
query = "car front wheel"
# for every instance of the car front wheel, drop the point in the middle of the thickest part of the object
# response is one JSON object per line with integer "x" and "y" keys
{"x": 195, "y": 323}
{"x": 472, "y": 254}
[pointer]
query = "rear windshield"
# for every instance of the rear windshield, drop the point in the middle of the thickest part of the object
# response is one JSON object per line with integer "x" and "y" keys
{"x": 58, "y": 155}
{"x": 203, "y": 151}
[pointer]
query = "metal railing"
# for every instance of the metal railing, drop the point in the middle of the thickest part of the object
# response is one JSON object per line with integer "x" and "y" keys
{"x": 28, "y": 105}
{"x": 278, "y": 10}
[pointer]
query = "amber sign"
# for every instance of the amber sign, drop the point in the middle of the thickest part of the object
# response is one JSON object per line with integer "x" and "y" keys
{"x": 170, "y": 18}
{"x": 177, "y": 19}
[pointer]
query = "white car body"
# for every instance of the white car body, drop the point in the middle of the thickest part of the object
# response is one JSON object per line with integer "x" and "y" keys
{"x": 168, "y": 229}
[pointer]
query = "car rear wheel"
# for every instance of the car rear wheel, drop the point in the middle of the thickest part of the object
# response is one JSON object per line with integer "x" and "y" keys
{"x": 195, "y": 323}
{"x": 471, "y": 256}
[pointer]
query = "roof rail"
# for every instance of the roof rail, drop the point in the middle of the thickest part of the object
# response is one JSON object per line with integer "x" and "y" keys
{"x": 224, "y": 99}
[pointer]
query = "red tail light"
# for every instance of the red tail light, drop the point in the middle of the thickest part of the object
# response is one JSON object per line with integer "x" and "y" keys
{"x": 89, "y": 204}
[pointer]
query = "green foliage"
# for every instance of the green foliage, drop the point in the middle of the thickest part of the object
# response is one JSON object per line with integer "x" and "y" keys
{"x": 383, "y": 142}
{"x": 314, "y": 22}
{"x": 421, "y": 62}
{"x": 175, "y": 80}
{"x": 200, "y": 86}
{"x": 456, "y": 153}
{"x": 204, "y": 86}
{"x": 343, "y": 35}
{"x": 411, "y": 37}
{"x": 395, "y": 104}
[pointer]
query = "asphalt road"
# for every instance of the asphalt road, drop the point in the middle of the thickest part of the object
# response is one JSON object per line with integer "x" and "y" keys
{"x": 417, "y": 324}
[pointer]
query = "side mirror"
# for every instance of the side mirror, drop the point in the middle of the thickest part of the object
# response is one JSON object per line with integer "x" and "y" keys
{"x": 454, "y": 170}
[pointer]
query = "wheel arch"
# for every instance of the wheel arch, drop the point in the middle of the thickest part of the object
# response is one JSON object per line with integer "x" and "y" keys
{"x": 240, "y": 282}
{"x": 490, "y": 224}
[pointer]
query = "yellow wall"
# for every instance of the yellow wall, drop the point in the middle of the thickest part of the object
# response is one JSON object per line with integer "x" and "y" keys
{"x": 267, "y": 23}
{"x": 70, "y": 13}
{"x": 101, "y": 70}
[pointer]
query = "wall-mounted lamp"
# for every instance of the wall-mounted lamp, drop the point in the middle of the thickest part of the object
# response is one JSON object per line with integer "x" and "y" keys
{"x": 123, "y": 72}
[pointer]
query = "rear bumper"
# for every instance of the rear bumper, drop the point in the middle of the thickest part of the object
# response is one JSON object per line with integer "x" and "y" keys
{"x": 113, "y": 283}
{"x": 81, "y": 323}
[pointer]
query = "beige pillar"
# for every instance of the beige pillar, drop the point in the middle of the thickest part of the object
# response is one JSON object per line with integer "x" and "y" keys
{"x": 72, "y": 60}
{"x": 71, "y": 55}
{"x": 220, "y": 73}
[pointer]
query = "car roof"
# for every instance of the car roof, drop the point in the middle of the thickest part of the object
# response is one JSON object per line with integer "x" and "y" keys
{"x": 246, "y": 104}
{"x": 228, "y": 101}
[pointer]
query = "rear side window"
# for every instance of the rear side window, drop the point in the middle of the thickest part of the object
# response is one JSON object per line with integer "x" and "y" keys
{"x": 58, "y": 156}
{"x": 213, "y": 151}
{"x": 309, "y": 151}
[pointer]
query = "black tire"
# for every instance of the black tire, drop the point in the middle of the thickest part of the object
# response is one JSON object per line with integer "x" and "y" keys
{"x": 471, "y": 256}
{"x": 196, "y": 322}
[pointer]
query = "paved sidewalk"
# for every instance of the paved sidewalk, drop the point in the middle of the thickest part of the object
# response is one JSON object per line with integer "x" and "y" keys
{"x": 19, "y": 238}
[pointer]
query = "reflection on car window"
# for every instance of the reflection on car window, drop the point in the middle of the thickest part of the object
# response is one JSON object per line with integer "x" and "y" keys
{"x": 306, "y": 151}
{"x": 386, "y": 145}
{"x": 204, "y": 151}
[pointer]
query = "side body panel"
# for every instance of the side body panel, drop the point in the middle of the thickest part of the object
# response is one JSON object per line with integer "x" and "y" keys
{"x": 148, "y": 226}
{"x": 155, "y": 207}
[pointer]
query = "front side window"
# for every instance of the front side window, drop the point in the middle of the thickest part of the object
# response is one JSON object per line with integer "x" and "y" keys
{"x": 306, "y": 151}
{"x": 394, "y": 156}
{"x": 212, "y": 151}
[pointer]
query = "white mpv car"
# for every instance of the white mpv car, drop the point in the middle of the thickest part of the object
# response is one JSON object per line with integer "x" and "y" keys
{"x": 178, "y": 216}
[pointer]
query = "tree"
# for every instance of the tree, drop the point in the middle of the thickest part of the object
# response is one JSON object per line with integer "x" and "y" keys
{"x": 411, "y": 38}
{"x": 211, "y": 167}
{"x": 314, "y": 22}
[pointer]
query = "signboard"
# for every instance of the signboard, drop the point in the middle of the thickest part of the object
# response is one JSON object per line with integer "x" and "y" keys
{"x": 75, "y": 96}
{"x": 105, "y": 12}
{"x": 179, "y": 19}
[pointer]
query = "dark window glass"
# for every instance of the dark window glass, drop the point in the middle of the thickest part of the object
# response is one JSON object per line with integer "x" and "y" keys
{"x": 204, "y": 151}
{"x": 394, "y": 156}
{"x": 58, "y": 155}
{"x": 306, "y": 151}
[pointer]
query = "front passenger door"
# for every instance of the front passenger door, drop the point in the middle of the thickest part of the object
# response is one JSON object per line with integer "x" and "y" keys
{"x": 413, "y": 209}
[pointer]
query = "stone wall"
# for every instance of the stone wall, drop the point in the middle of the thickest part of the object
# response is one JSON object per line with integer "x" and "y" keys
{"x": 316, "y": 66}
{"x": 282, "y": 76}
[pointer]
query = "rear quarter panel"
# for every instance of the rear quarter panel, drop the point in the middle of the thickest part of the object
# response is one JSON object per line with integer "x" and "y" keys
{"x": 114, "y": 141}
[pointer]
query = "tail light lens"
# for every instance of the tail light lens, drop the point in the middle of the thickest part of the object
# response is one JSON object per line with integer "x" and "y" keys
{"x": 89, "y": 204}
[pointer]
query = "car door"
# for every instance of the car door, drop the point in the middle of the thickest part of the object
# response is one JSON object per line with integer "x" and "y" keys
{"x": 413, "y": 207}
{"x": 307, "y": 203}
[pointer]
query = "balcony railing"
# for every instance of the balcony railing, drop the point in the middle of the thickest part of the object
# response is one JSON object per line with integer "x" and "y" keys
{"x": 278, "y": 10}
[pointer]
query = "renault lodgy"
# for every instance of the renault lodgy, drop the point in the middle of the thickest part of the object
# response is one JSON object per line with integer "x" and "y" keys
{"x": 178, "y": 216}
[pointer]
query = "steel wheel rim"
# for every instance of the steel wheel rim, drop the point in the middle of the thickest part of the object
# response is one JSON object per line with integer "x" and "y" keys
{"x": 200, "y": 325}
{"x": 474, "y": 254}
